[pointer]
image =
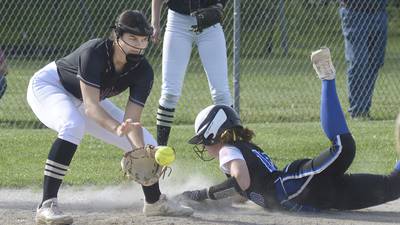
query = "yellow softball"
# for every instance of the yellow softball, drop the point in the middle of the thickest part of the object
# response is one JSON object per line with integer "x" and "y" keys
{"x": 165, "y": 155}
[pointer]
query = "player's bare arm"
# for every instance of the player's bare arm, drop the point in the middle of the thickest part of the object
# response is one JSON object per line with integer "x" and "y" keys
{"x": 155, "y": 19}
{"x": 240, "y": 171}
{"x": 133, "y": 113}
{"x": 91, "y": 96}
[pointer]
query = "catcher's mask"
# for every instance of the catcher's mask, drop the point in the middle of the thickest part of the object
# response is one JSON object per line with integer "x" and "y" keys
{"x": 132, "y": 22}
{"x": 209, "y": 125}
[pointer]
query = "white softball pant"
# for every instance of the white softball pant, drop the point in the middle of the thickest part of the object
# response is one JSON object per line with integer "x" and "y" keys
{"x": 61, "y": 111}
{"x": 177, "y": 47}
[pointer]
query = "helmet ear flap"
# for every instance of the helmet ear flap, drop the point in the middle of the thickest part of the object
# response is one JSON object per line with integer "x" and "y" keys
{"x": 118, "y": 31}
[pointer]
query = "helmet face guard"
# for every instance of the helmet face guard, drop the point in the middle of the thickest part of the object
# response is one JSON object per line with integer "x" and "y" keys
{"x": 201, "y": 152}
{"x": 138, "y": 49}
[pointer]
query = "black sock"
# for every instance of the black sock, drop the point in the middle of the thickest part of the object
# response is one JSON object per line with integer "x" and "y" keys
{"x": 165, "y": 118}
{"x": 151, "y": 193}
{"x": 56, "y": 167}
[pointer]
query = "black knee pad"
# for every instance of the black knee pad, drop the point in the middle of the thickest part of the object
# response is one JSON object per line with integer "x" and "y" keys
{"x": 348, "y": 146}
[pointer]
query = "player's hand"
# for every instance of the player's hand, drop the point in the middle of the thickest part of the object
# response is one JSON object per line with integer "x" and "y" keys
{"x": 196, "y": 195}
{"x": 125, "y": 127}
{"x": 155, "y": 37}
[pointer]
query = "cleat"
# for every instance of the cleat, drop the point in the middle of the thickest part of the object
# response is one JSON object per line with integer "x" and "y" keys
{"x": 49, "y": 213}
{"x": 165, "y": 207}
{"x": 322, "y": 63}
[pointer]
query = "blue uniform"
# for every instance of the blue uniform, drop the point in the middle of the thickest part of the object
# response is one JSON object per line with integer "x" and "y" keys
{"x": 321, "y": 182}
{"x": 364, "y": 26}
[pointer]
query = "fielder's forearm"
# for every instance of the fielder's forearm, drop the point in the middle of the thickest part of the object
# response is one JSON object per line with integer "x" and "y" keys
{"x": 155, "y": 12}
{"x": 101, "y": 117}
{"x": 228, "y": 188}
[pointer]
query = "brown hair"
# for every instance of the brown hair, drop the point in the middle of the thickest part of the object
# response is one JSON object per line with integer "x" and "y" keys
{"x": 131, "y": 21}
{"x": 232, "y": 135}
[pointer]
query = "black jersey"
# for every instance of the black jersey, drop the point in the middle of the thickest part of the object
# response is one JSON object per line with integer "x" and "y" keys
{"x": 263, "y": 173}
{"x": 188, "y": 6}
{"x": 92, "y": 64}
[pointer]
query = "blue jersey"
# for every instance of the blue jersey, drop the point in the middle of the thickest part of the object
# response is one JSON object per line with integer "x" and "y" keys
{"x": 263, "y": 173}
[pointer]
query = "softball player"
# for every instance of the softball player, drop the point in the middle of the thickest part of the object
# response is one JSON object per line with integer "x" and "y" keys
{"x": 71, "y": 95}
{"x": 182, "y": 30}
{"x": 303, "y": 185}
{"x": 3, "y": 73}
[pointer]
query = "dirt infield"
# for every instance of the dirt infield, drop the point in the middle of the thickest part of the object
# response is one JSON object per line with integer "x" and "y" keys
{"x": 123, "y": 205}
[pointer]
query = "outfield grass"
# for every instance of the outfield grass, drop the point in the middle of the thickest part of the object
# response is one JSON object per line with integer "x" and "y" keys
{"x": 283, "y": 89}
{"x": 275, "y": 87}
{"x": 24, "y": 151}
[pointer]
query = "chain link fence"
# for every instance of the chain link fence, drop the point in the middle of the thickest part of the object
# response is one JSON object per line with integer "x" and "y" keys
{"x": 277, "y": 82}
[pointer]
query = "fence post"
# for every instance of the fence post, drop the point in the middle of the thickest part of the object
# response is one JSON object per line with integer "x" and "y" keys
{"x": 236, "y": 55}
{"x": 283, "y": 28}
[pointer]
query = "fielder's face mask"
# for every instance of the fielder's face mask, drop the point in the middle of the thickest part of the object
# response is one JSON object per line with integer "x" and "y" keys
{"x": 209, "y": 125}
{"x": 138, "y": 50}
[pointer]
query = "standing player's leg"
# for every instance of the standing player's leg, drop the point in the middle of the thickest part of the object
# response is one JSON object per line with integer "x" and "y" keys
{"x": 58, "y": 111}
{"x": 355, "y": 32}
{"x": 177, "y": 47}
{"x": 212, "y": 49}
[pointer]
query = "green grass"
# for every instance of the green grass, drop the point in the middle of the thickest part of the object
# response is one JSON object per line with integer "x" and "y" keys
{"x": 24, "y": 151}
{"x": 280, "y": 89}
{"x": 274, "y": 87}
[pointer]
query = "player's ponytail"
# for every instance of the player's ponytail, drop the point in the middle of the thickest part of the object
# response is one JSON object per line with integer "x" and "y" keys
{"x": 236, "y": 134}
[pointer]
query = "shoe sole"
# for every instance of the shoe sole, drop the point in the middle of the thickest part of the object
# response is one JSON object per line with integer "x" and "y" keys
{"x": 317, "y": 54}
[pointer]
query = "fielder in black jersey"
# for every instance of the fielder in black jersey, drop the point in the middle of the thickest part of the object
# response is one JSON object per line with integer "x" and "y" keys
{"x": 303, "y": 185}
{"x": 71, "y": 95}
{"x": 92, "y": 64}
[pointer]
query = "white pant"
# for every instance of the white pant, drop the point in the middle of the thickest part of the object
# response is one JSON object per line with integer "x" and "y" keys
{"x": 177, "y": 47}
{"x": 59, "y": 110}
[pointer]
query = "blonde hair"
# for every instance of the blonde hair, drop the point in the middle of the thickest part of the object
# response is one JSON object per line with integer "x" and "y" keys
{"x": 232, "y": 135}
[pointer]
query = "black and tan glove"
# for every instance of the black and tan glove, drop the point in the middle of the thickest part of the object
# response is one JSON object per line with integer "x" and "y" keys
{"x": 207, "y": 17}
